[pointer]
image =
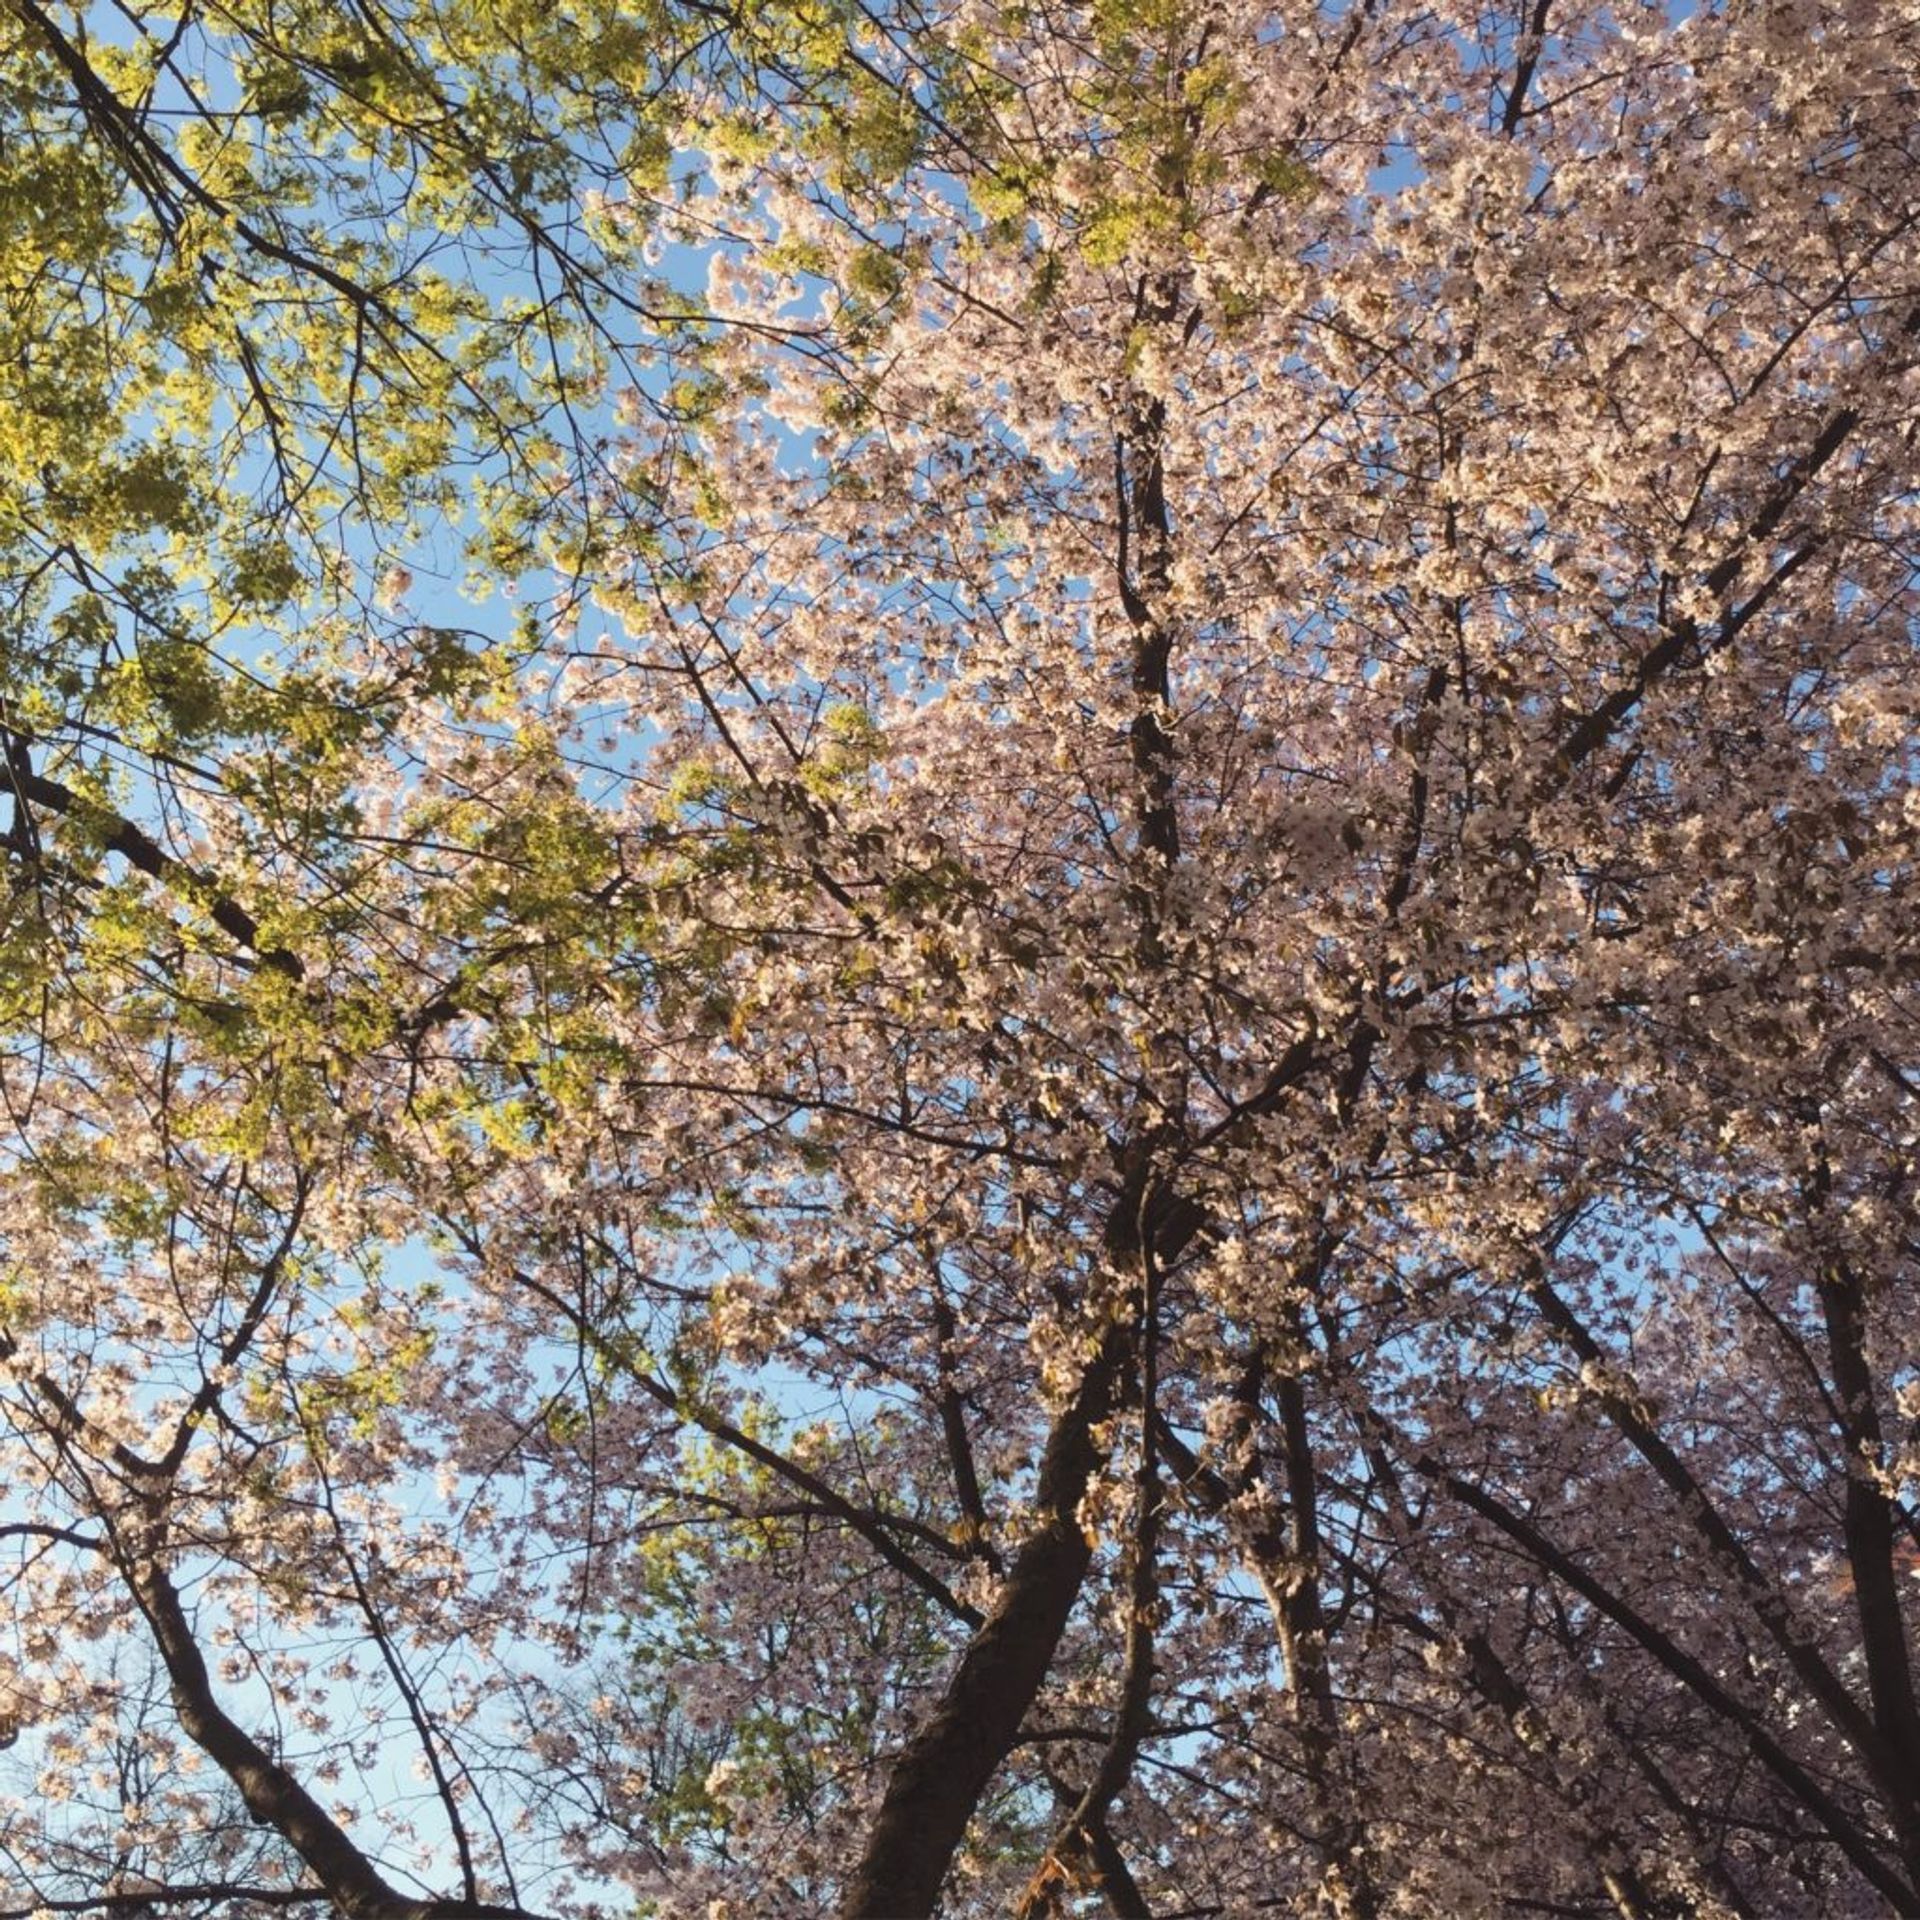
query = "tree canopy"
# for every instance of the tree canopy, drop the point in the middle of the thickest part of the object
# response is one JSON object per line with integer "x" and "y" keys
{"x": 959, "y": 959}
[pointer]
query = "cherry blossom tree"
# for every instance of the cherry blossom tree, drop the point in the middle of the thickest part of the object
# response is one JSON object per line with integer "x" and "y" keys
{"x": 1129, "y": 1125}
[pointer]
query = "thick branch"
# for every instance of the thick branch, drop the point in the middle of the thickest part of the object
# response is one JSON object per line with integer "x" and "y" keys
{"x": 1845, "y": 1832}
{"x": 935, "y": 1784}
{"x": 1301, "y": 1619}
{"x": 146, "y": 855}
{"x": 1088, "y": 1814}
{"x": 1868, "y": 1524}
{"x": 1768, "y": 1606}
{"x": 272, "y": 1795}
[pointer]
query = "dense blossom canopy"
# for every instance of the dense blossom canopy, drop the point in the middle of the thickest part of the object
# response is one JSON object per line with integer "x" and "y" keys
{"x": 1118, "y": 1115}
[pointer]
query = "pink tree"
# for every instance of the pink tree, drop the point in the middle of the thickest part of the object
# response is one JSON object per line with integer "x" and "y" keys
{"x": 1171, "y": 1110}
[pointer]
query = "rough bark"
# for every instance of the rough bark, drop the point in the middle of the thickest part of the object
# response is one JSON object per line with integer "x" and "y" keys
{"x": 938, "y": 1779}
